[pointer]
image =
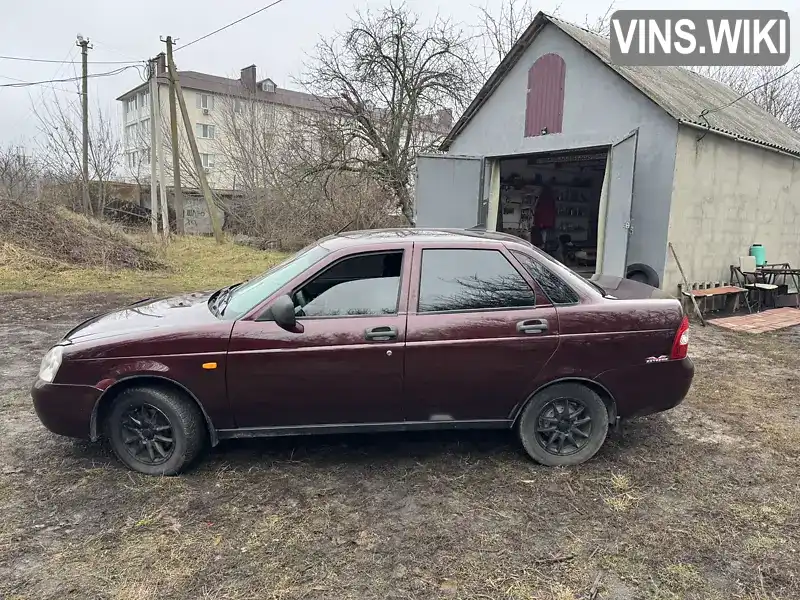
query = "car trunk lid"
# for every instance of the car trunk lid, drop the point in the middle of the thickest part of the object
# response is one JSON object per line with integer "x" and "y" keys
{"x": 627, "y": 289}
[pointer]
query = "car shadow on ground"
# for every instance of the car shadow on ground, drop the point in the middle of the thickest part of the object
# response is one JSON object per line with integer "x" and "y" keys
{"x": 419, "y": 445}
{"x": 638, "y": 436}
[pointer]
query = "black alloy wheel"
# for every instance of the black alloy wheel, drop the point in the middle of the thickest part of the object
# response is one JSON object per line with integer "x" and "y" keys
{"x": 155, "y": 430}
{"x": 147, "y": 434}
{"x": 564, "y": 426}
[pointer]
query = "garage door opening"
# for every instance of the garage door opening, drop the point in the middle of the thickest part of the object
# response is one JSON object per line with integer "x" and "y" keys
{"x": 553, "y": 200}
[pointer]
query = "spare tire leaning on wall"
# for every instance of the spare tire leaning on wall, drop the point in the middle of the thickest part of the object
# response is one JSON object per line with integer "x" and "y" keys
{"x": 643, "y": 273}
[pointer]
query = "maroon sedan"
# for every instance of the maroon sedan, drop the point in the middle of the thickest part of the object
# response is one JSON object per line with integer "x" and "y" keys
{"x": 386, "y": 330}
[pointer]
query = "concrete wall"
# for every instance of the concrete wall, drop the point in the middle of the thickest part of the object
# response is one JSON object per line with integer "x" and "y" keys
{"x": 197, "y": 219}
{"x": 599, "y": 109}
{"x": 726, "y": 196}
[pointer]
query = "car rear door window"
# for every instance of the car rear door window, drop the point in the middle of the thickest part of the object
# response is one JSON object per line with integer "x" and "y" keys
{"x": 554, "y": 287}
{"x": 365, "y": 284}
{"x": 468, "y": 280}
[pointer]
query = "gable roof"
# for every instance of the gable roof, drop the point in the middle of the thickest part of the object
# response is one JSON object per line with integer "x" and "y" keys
{"x": 682, "y": 93}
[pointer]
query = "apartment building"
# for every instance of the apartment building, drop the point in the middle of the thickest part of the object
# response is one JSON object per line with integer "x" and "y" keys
{"x": 210, "y": 99}
{"x": 214, "y": 104}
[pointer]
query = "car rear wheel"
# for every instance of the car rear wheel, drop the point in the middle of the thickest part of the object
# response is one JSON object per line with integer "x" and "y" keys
{"x": 564, "y": 424}
{"x": 155, "y": 431}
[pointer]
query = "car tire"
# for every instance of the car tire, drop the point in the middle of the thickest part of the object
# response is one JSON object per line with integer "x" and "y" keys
{"x": 642, "y": 273}
{"x": 155, "y": 431}
{"x": 555, "y": 441}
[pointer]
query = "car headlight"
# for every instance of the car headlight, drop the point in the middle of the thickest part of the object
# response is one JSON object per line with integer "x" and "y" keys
{"x": 50, "y": 364}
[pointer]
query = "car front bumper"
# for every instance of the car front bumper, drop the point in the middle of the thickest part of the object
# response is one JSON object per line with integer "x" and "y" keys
{"x": 650, "y": 388}
{"x": 65, "y": 409}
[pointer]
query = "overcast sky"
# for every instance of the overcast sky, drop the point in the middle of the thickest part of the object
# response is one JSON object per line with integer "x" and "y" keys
{"x": 276, "y": 40}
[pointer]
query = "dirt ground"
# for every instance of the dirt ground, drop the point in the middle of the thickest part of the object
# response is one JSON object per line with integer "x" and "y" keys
{"x": 700, "y": 502}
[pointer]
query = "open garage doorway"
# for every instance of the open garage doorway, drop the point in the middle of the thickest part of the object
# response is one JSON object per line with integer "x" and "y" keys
{"x": 574, "y": 204}
{"x": 553, "y": 200}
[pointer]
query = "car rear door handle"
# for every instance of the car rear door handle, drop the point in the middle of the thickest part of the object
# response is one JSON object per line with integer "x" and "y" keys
{"x": 383, "y": 333}
{"x": 532, "y": 326}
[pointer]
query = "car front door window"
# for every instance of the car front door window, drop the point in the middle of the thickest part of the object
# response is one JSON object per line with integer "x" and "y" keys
{"x": 250, "y": 293}
{"x": 362, "y": 285}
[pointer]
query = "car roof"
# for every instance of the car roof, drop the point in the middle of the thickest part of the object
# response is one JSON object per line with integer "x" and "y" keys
{"x": 401, "y": 235}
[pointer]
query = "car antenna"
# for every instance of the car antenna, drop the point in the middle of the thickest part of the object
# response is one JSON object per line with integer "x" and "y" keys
{"x": 350, "y": 222}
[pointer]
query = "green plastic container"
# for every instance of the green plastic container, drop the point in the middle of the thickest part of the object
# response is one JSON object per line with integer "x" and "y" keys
{"x": 758, "y": 251}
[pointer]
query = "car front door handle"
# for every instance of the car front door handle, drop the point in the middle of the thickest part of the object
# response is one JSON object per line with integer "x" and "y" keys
{"x": 532, "y": 326}
{"x": 381, "y": 334}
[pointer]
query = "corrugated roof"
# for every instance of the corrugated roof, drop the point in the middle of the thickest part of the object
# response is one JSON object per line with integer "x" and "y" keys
{"x": 682, "y": 93}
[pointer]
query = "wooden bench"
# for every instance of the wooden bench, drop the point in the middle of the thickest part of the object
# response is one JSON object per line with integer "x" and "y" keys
{"x": 728, "y": 291}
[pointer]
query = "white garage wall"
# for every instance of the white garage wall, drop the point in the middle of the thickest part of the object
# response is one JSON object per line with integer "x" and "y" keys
{"x": 726, "y": 196}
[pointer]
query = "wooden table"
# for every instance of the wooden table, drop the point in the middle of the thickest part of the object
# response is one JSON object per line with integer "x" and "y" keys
{"x": 727, "y": 290}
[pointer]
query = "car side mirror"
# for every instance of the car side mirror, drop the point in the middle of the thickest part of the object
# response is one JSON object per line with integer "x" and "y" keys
{"x": 283, "y": 312}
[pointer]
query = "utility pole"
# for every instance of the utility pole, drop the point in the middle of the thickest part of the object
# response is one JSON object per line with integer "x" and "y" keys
{"x": 176, "y": 162}
{"x": 201, "y": 173}
{"x": 157, "y": 151}
{"x": 153, "y": 141}
{"x": 162, "y": 184}
{"x": 84, "y": 45}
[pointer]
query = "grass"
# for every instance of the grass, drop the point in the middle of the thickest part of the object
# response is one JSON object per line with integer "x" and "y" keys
{"x": 193, "y": 263}
{"x": 698, "y": 503}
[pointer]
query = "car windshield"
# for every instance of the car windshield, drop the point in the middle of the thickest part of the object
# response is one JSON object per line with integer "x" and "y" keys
{"x": 246, "y": 296}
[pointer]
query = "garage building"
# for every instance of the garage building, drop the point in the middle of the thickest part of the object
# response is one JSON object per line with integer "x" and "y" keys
{"x": 602, "y": 164}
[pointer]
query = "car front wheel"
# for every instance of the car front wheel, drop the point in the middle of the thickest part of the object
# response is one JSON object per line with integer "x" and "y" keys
{"x": 155, "y": 431}
{"x": 564, "y": 424}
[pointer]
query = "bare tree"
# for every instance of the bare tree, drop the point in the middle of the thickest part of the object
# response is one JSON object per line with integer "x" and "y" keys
{"x": 775, "y": 89}
{"x": 105, "y": 152}
{"x": 281, "y": 194}
{"x": 250, "y": 143}
{"x": 19, "y": 175}
{"x": 60, "y": 143}
{"x": 499, "y": 30}
{"x": 136, "y": 159}
{"x": 60, "y": 147}
{"x": 600, "y": 23}
{"x": 387, "y": 83}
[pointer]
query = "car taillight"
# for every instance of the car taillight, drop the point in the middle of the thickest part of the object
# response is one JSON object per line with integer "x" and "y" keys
{"x": 680, "y": 347}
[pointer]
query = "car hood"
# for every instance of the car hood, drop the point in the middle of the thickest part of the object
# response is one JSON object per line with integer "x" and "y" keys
{"x": 628, "y": 289}
{"x": 186, "y": 310}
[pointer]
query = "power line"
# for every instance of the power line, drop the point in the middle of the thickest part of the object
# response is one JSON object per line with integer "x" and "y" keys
{"x": 23, "y": 81}
{"x": 708, "y": 111}
{"x": 208, "y": 35}
{"x": 31, "y": 108}
{"x": 91, "y": 62}
{"x": 22, "y": 84}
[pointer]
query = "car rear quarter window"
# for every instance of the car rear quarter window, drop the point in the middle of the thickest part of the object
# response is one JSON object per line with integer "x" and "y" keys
{"x": 466, "y": 280}
{"x": 554, "y": 287}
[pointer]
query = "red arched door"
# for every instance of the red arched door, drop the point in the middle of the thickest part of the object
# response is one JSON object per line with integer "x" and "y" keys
{"x": 544, "y": 107}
